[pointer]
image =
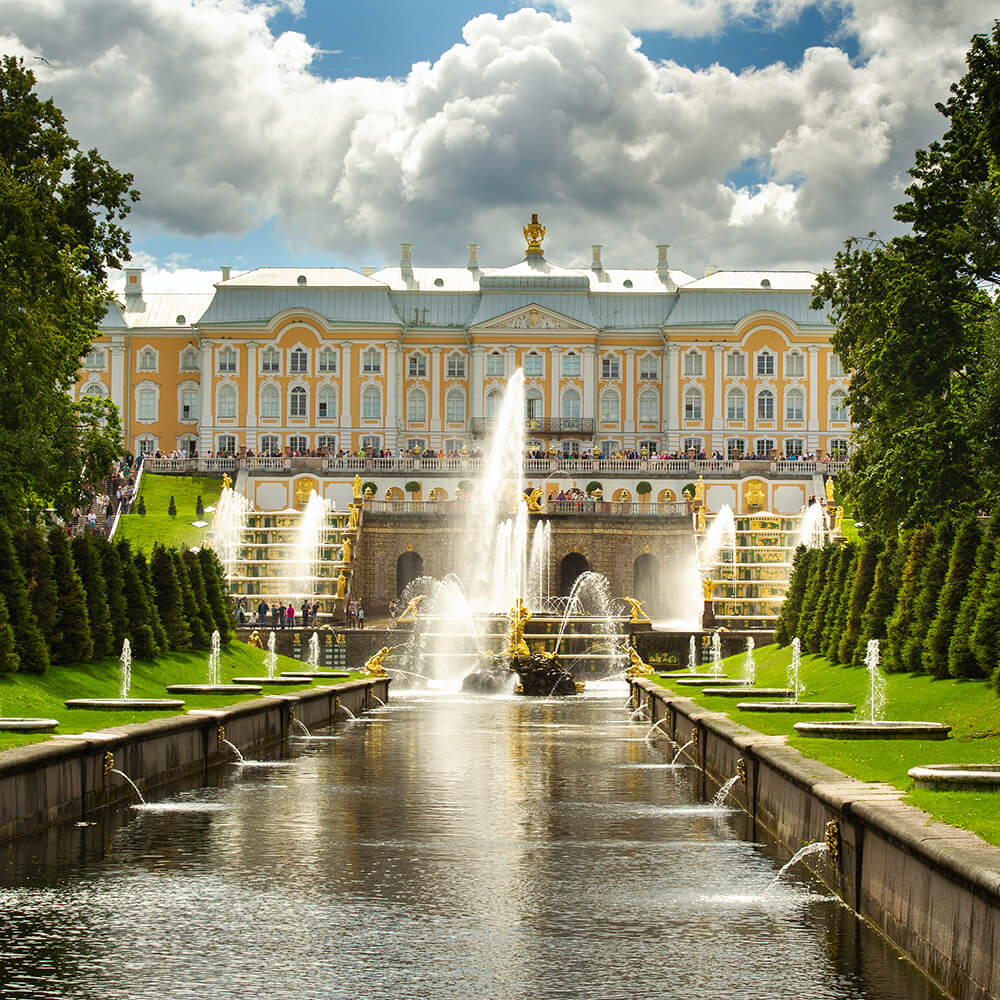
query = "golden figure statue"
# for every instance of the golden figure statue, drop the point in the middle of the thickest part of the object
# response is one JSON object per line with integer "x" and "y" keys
{"x": 352, "y": 519}
{"x": 707, "y": 587}
{"x": 534, "y": 233}
{"x": 701, "y": 518}
{"x": 373, "y": 665}
{"x": 699, "y": 489}
{"x": 754, "y": 494}
{"x": 517, "y": 617}
{"x": 638, "y": 666}
{"x": 341, "y": 586}
{"x": 369, "y": 493}
{"x": 357, "y": 487}
{"x": 837, "y": 521}
{"x": 227, "y": 482}
{"x": 388, "y": 493}
{"x": 410, "y": 611}
{"x": 254, "y": 640}
{"x": 829, "y": 489}
{"x": 346, "y": 551}
{"x": 638, "y": 615}
{"x": 534, "y": 501}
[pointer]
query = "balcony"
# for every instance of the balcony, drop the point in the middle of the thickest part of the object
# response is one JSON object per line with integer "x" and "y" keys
{"x": 541, "y": 426}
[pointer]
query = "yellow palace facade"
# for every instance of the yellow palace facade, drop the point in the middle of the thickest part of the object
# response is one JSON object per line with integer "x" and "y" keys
{"x": 646, "y": 360}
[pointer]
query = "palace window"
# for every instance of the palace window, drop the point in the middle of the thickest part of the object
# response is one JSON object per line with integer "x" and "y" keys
{"x": 735, "y": 448}
{"x": 270, "y": 401}
{"x": 456, "y": 366}
{"x": 610, "y": 409}
{"x": 764, "y": 447}
{"x": 147, "y": 405}
{"x": 493, "y": 404}
{"x": 794, "y": 446}
{"x": 270, "y": 444}
{"x": 533, "y": 364}
{"x": 454, "y": 406}
{"x": 96, "y": 390}
{"x": 326, "y": 399}
{"x": 452, "y": 444}
{"x": 227, "y": 359}
{"x": 649, "y": 368}
{"x": 225, "y": 444}
{"x": 839, "y": 449}
{"x": 533, "y": 405}
{"x": 795, "y": 365}
{"x": 610, "y": 367}
{"x": 371, "y": 443}
{"x": 147, "y": 444}
{"x": 609, "y": 448}
{"x": 226, "y": 402}
{"x": 189, "y": 404}
{"x": 736, "y": 405}
{"x": 147, "y": 360}
{"x": 765, "y": 363}
{"x": 371, "y": 362}
{"x": 495, "y": 364}
{"x": 94, "y": 359}
{"x": 189, "y": 360}
{"x": 693, "y": 404}
{"x": 692, "y": 444}
{"x": 297, "y": 402}
{"x": 765, "y": 404}
{"x": 736, "y": 364}
{"x": 327, "y": 442}
{"x": 836, "y": 366}
{"x": 651, "y": 448}
{"x": 838, "y": 407}
{"x": 794, "y": 404}
{"x": 298, "y": 442}
{"x": 571, "y": 365}
{"x": 270, "y": 361}
{"x": 300, "y": 362}
{"x": 416, "y": 366}
{"x": 649, "y": 408}
{"x": 328, "y": 361}
{"x": 571, "y": 448}
{"x": 570, "y": 405}
{"x": 371, "y": 403}
{"x": 416, "y": 407}
{"x": 694, "y": 363}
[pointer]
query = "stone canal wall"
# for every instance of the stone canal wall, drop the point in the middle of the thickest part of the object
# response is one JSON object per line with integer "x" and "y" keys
{"x": 932, "y": 889}
{"x": 66, "y": 778}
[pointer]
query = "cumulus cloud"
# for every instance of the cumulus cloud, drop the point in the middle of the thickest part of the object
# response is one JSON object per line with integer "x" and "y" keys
{"x": 227, "y": 125}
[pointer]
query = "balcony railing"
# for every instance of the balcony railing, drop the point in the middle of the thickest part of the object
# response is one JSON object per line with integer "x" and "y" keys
{"x": 577, "y": 426}
{"x": 600, "y": 508}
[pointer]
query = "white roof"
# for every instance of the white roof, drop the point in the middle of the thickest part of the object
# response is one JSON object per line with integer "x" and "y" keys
{"x": 288, "y": 277}
{"x": 741, "y": 281}
{"x": 178, "y": 310}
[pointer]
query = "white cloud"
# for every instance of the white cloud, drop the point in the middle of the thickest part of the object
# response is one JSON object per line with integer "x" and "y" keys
{"x": 226, "y": 126}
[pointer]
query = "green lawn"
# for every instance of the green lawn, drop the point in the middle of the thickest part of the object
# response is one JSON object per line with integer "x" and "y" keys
{"x": 972, "y": 708}
{"x": 157, "y": 525}
{"x": 43, "y": 696}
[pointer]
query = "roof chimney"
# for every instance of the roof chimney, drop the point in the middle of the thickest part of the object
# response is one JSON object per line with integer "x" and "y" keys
{"x": 663, "y": 267}
{"x": 406, "y": 258}
{"x": 595, "y": 261}
{"x": 368, "y": 270}
{"x": 133, "y": 281}
{"x": 226, "y": 270}
{"x": 473, "y": 262}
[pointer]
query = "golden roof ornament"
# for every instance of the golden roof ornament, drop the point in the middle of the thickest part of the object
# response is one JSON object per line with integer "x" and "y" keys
{"x": 534, "y": 233}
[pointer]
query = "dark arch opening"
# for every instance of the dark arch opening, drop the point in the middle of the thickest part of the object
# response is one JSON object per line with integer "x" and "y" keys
{"x": 572, "y": 566}
{"x": 409, "y": 566}
{"x": 646, "y": 583}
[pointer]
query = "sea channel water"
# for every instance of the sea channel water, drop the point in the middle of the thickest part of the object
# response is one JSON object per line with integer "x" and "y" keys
{"x": 446, "y": 846}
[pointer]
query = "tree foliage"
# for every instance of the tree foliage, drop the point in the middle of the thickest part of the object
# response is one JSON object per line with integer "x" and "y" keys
{"x": 70, "y": 641}
{"x": 787, "y": 625}
{"x": 900, "y": 623}
{"x": 961, "y": 563}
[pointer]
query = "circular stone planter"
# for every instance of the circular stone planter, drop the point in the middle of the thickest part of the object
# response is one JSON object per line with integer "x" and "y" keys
{"x": 214, "y": 688}
{"x": 689, "y": 679}
{"x": 957, "y": 777}
{"x": 28, "y": 725}
{"x": 315, "y": 673}
{"x": 125, "y": 704}
{"x": 747, "y": 692}
{"x": 855, "y": 729}
{"x": 797, "y": 706}
{"x": 266, "y": 680}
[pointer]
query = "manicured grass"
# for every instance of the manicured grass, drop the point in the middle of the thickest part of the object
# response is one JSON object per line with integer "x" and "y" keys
{"x": 43, "y": 696}
{"x": 157, "y": 525}
{"x": 972, "y": 708}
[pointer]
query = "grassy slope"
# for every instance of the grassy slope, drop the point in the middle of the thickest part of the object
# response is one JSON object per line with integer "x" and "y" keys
{"x": 970, "y": 707}
{"x": 157, "y": 525}
{"x": 34, "y": 696}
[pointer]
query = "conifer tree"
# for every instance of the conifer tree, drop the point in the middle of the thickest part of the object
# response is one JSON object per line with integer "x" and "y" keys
{"x": 881, "y": 601}
{"x": 140, "y": 631}
{"x": 9, "y": 660}
{"x": 986, "y": 635}
{"x": 28, "y": 640}
{"x": 814, "y": 590}
{"x": 788, "y": 621}
{"x": 193, "y": 567}
{"x": 70, "y": 641}
{"x": 155, "y": 621}
{"x": 216, "y": 590}
{"x": 169, "y": 598}
{"x": 830, "y": 636}
{"x": 961, "y": 563}
{"x": 91, "y": 570}
{"x": 962, "y": 661}
{"x": 114, "y": 585}
{"x": 33, "y": 555}
{"x": 901, "y": 620}
{"x": 192, "y": 613}
{"x": 925, "y": 606}
{"x": 861, "y": 587}
{"x": 812, "y": 631}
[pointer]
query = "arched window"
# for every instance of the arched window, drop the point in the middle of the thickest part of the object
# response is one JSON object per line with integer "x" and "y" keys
{"x": 226, "y": 402}
{"x": 270, "y": 444}
{"x": 147, "y": 360}
{"x": 736, "y": 405}
{"x": 570, "y": 408}
{"x": 765, "y": 363}
{"x": 838, "y": 407}
{"x": 371, "y": 403}
{"x": 371, "y": 362}
{"x": 328, "y": 361}
{"x": 610, "y": 410}
{"x": 189, "y": 360}
{"x": 227, "y": 359}
{"x": 454, "y": 406}
{"x": 649, "y": 408}
{"x": 328, "y": 442}
{"x": 300, "y": 362}
{"x": 190, "y": 403}
{"x": 735, "y": 448}
{"x": 416, "y": 407}
{"x": 533, "y": 404}
{"x": 270, "y": 401}
{"x": 794, "y": 404}
{"x": 795, "y": 365}
{"x": 326, "y": 399}
{"x": 736, "y": 364}
{"x": 270, "y": 361}
{"x": 693, "y": 363}
{"x": 297, "y": 402}
{"x": 794, "y": 446}
{"x": 225, "y": 444}
{"x": 693, "y": 404}
{"x": 765, "y": 405}
{"x": 493, "y": 404}
{"x": 95, "y": 389}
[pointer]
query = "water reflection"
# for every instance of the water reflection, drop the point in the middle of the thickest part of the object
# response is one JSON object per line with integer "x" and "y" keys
{"x": 452, "y": 847}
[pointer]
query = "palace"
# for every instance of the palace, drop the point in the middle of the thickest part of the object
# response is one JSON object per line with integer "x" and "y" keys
{"x": 641, "y": 361}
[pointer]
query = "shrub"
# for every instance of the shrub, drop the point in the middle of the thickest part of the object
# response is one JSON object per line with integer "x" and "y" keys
{"x": 33, "y": 555}
{"x": 146, "y": 582}
{"x": 9, "y": 660}
{"x": 28, "y": 639}
{"x": 593, "y": 486}
{"x": 961, "y": 564}
{"x": 830, "y": 636}
{"x": 169, "y": 598}
{"x": 900, "y": 622}
{"x": 986, "y": 635}
{"x": 819, "y": 565}
{"x": 192, "y": 612}
{"x": 70, "y": 640}
{"x": 140, "y": 629}
{"x": 172, "y": 507}
{"x": 812, "y": 631}
{"x": 644, "y": 488}
{"x": 861, "y": 587}
{"x": 962, "y": 660}
{"x": 141, "y": 508}
{"x": 788, "y": 621}
{"x": 925, "y": 609}
{"x": 91, "y": 570}
{"x": 216, "y": 591}
{"x": 881, "y": 601}
{"x": 412, "y": 486}
{"x": 114, "y": 586}
{"x": 199, "y": 509}
{"x": 197, "y": 581}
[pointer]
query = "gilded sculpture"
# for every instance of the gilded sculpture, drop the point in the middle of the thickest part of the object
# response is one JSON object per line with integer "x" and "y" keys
{"x": 534, "y": 501}
{"x": 517, "y": 617}
{"x": 754, "y": 494}
{"x": 534, "y": 233}
{"x": 699, "y": 489}
{"x": 638, "y": 666}
{"x": 638, "y": 615}
{"x": 829, "y": 489}
{"x": 357, "y": 487}
{"x": 341, "y": 586}
{"x": 410, "y": 611}
{"x": 373, "y": 665}
{"x": 304, "y": 490}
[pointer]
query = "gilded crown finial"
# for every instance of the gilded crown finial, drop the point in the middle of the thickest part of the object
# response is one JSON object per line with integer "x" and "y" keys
{"x": 534, "y": 233}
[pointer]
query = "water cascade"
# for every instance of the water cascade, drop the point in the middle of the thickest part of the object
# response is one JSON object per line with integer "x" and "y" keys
{"x": 723, "y": 793}
{"x": 122, "y": 774}
{"x": 793, "y": 669}
{"x": 820, "y": 847}
{"x": 314, "y": 651}
{"x": 680, "y": 750}
{"x": 271, "y": 659}
{"x": 812, "y": 527}
{"x": 874, "y": 707}
{"x": 306, "y": 547}
{"x": 750, "y": 665}
{"x": 215, "y": 659}
{"x": 691, "y": 655}
{"x": 126, "y": 662}
{"x": 716, "y": 652}
{"x": 228, "y": 525}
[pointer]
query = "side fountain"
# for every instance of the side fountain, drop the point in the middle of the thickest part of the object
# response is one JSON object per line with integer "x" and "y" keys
{"x": 793, "y": 704}
{"x": 691, "y": 677}
{"x": 748, "y": 689}
{"x": 123, "y": 703}
{"x": 215, "y": 685}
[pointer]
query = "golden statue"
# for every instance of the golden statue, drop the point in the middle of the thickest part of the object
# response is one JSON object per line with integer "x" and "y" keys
{"x": 754, "y": 494}
{"x": 638, "y": 666}
{"x": 254, "y": 640}
{"x": 341, "y": 586}
{"x": 410, "y": 611}
{"x": 838, "y": 519}
{"x": 352, "y": 519}
{"x": 638, "y": 615}
{"x": 346, "y": 551}
{"x": 701, "y": 518}
{"x": 369, "y": 493}
{"x": 373, "y": 665}
{"x": 829, "y": 489}
{"x": 699, "y": 489}
{"x": 707, "y": 587}
{"x": 304, "y": 490}
{"x": 227, "y": 482}
{"x": 357, "y": 487}
{"x": 534, "y": 233}
{"x": 534, "y": 501}
{"x": 516, "y": 618}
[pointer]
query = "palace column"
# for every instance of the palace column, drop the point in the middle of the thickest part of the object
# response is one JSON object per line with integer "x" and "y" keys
{"x": 476, "y": 382}
{"x": 672, "y": 422}
{"x": 391, "y": 393}
{"x": 717, "y": 408}
{"x": 435, "y": 414}
{"x": 345, "y": 397}
{"x": 251, "y": 377}
{"x": 589, "y": 382}
{"x": 812, "y": 442}
{"x": 629, "y": 389}
{"x": 207, "y": 415}
{"x": 554, "y": 361}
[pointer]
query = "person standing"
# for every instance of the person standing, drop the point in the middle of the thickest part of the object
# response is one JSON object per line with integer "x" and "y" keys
{"x": 291, "y": 615}
{"x": 304, "y": 613}
{"x": 282, "y": 614}
{"x": 361, "y": 615}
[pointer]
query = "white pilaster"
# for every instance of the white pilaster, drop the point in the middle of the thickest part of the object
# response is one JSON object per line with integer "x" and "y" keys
{"x": 672, "y": 418}
{"x": 628, "y": 388}
{"x": 554, "y": 362}
{"x": 435, "y": 414}
{"x": 717, "y": 409}
{"x": 476, "y": 382}
{"x": 117, "y": 360}
{"x": 812, "y": 443}
{"x": 589, "y": 383}
{"x": 346, "y": 386}
{"x": 251, "y": 376}
{"x": 392, "y": 391}
{"x": 207, "y": 421}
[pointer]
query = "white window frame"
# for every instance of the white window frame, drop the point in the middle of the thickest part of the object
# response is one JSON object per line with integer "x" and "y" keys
{"x": 496, "y": 364}
{"x": 298, "y": 442}
{"x": 571, "y": 365}
{"x": 416, "y": 406}
{"x": 694, "y": 363}
{"x": 492, "y": 404}
{"x": 371, "y": 361}
{"x": 186, "y": 364}
{"x": 141, "y": 390}
{"x": 324, "y": 392}
{"x": 836, "y": 366}
{"x": 328, "y": 441}
{"x": 195, "y": 411}
{"x": 570, "y": 396}
{"x": 533, "y": 395}
{"x": 794, "y": 446}
{"x": 764, "y": 365}
{"x": 227, "y": 391}
{"x": 533, "y": 364}
{"x": 770, "y": 442}
{"x": 371, "y": 443}
{"x": 222, "y": 442}
{"x": 454, "y": 406}
{"x": 298, "y": 361}
{"x": 735, "y": 446}
{"x": 795, "y": 359}
{"x": 270, "y": 361}
{"x": 270, "y": 393}
{"x": 793, "y": 395}
{"x": 610, "y": 414}
{"x": 95, "y": 359}
{"x": 326, "y": 361}
{"x": 94, "y": 389}
{"x": 416, "y": 365}
{"x": 146, "y": 444}
{"x": 455, "y": 366}
{"x": 835, "y": 417}
{"x": 694, "y": 404}
{"x": 736, "y": 364}
{"x": 689, "y": 443}
{"x": 265, "y": 439}
{"x": 147, "y": 359}
{"x": 371, "y": 392}
{"x": 298, "y": 399}
{"x": 736, "y": 413}
{"x": 649, "y": 407}
{"x": 765, "y": 401}
{"x": 226, "y": 354}
{"x": 649, "y": 368}
{"x": 611, "y": 368}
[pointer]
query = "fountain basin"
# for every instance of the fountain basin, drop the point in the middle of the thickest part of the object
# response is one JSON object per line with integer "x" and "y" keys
{"x": 15, "y": 725}
{"x": 125, "y": 704}
{"x": 214, "y": 688}
{"x": 267, "y": 680}
{"x": 693, "y": 680}
{"x": 796, "y": 706}
{"x": 747, "y": 692}
{"x": 856, "y": 729}
{"x": 957, "y": 777}
{"x": 310, "y": 674}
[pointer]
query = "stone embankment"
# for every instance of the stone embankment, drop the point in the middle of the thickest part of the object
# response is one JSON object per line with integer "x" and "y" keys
{"x": 932, "y": 889}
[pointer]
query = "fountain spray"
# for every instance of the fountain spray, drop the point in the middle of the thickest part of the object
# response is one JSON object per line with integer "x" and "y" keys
{"x": 875, "y": 705}
{"x": 793, "y": 669}
{"x": 750, "y": 665}
{"x": 215, "y": 658}
{"x": 271, "y": 660}
{"x": 126, "y": 661}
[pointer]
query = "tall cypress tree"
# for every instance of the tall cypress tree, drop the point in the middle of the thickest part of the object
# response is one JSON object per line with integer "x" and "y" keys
{"x": 962, "y": 661}
{"x": 900, "y": 622}
{"x": 812, "y": 629}
{"x": 787, "y": 625}
{"x": 217, "y": 592}
{"x": 155, "y": 621}
{"x": 33, "y": 555}
{"x": 861, "y": 587}
{"x": 881, "y": 602}
{"x": 830, "y": 636}
{"x": 114, "y": 585}
{"x": 91, "y": 570}
{"x": 169, "y": 598}
{"x": 9, "y": 660}
{"x": 140, "y": 631}
{"x": 925, "y": 606}
{"x": 28, "y": 640}
{"x": 961, "y": 564}
{"x": 192, "y": 613}
{"x": 193, "y": 567}
{"x": 986, "y": 635}
{"x": 814, "y": 589}
{"x": 70, "y": 641}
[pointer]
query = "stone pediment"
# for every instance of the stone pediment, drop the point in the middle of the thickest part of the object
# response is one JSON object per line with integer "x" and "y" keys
{"x": 533, "y": 317}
